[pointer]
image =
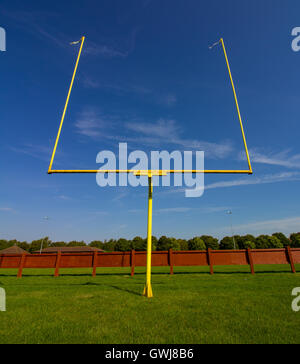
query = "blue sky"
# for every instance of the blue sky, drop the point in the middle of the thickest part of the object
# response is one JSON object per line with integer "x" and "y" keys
{"x": 147, "y": 77}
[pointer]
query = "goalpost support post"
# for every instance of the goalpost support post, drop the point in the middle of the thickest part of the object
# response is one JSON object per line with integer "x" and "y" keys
{"x": 148, "y": 288}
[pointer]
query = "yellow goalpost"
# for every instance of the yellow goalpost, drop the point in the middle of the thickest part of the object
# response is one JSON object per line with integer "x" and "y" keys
{"x": 150, "y": 173}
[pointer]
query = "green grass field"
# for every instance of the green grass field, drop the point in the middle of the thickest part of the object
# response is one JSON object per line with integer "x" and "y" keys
{"x": 190, "y": 307}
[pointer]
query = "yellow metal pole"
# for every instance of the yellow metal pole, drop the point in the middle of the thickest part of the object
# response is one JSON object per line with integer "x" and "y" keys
{"x": 237, "y": 105}
{"x": 148, "y": 289}
{"x": 66, "y": 105}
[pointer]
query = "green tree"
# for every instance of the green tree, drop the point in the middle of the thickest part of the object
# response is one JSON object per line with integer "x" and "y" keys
{"x": 123, "y": 245}
{"x": 24, "y": 245}
{"x": 74, "y": 243}
{"x": 283, "y": 239}
{"x": 242, "y": 240}
{"x": 97, "y": 244}
{"x": 165, "y": 243}
{"x": 267, "y": 242}
{"x": 37, "y": 244}
{"x": 154, "y": 243}
{"x": 196, "y": 244}
{"x": 227, "y": 243}
{"x": 237, "y": 238}
{"x": 59, "y": 244}
{"x": 12, "y": 242}
{"x": 249, "y": 244}
{"x": 110, "y": 245}
{"x": 261, "y": 242}
{"x": 138, "y": 244}
{"x": 3, "y": 244}
{"x": 274, "y": 242}
{"x": 243, "y": 244}
{"x": 295, "y": 240}
{"x": 183, "y": 244}
{"x": 210, "y": 242}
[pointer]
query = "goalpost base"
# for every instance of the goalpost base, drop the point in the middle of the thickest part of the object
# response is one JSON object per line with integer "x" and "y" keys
{"x": 148, "y": 291}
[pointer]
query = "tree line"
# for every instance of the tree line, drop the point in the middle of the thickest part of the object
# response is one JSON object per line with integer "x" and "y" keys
{"x": 277, "y": 240}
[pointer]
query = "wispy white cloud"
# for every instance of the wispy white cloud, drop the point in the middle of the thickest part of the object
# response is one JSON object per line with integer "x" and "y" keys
{"x": 170, "y": 210}
{"x": 103, "y": 50}
{"x": 90, "y": 123}
{"x": 94, "y": 124}
{"x": 212, "y": 150}
{"x": 120, "y": 196}
{"x": 165, "y": 99}
{"x": 120, "y": 46}
{"x": 285, "y": 225}
{"x": 201, "y": 210}
{"x": 6, "y": 209}
{"x": 167, "y": 131}
{"x": 161, "y": 129}
{"x": 64, "y": 197}
{"x": 168, "y": 99}
{"x": 250, "y": 180}
{"x": 240, "y": 182}
{"x": 102, "y": 213}
{"x": 135, "y": 211}
{"x": 89, "y": 82}
{"x": 282, "y": 159}
{"x": 108, "y": 47}
{"x": 37, "y": 151}
{"x": 214, "y": 209}
{"x": 31, "y": 22}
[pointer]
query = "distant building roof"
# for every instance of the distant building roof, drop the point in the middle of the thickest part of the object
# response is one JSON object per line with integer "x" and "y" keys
{"x": 69, "y": 249}
{"x": 13, "y": 250}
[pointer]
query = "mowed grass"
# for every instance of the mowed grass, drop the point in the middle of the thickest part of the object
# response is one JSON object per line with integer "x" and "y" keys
{"x": 190, "y": 307}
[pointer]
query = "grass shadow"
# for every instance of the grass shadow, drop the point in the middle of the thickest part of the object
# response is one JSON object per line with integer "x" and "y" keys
{"x": 26, "y": 275}
{"x": 125, "y": 290}
{"x": 111, "y": 286}
{"x": 97, "y": 275}
{"x": 273, "y": 272}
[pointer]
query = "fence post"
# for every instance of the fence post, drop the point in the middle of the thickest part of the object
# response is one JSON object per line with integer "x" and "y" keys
{"x": 132, "y": 262}
{"x": 58, "y": 257}
{"x": 21, "y": 266}
{"x": 95, "y": 260}
{"x": 171, "y": 262}
{"x": 291, "y": 260}
{"x": 250, "y": 259}
{"x": 210, "y": 260}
